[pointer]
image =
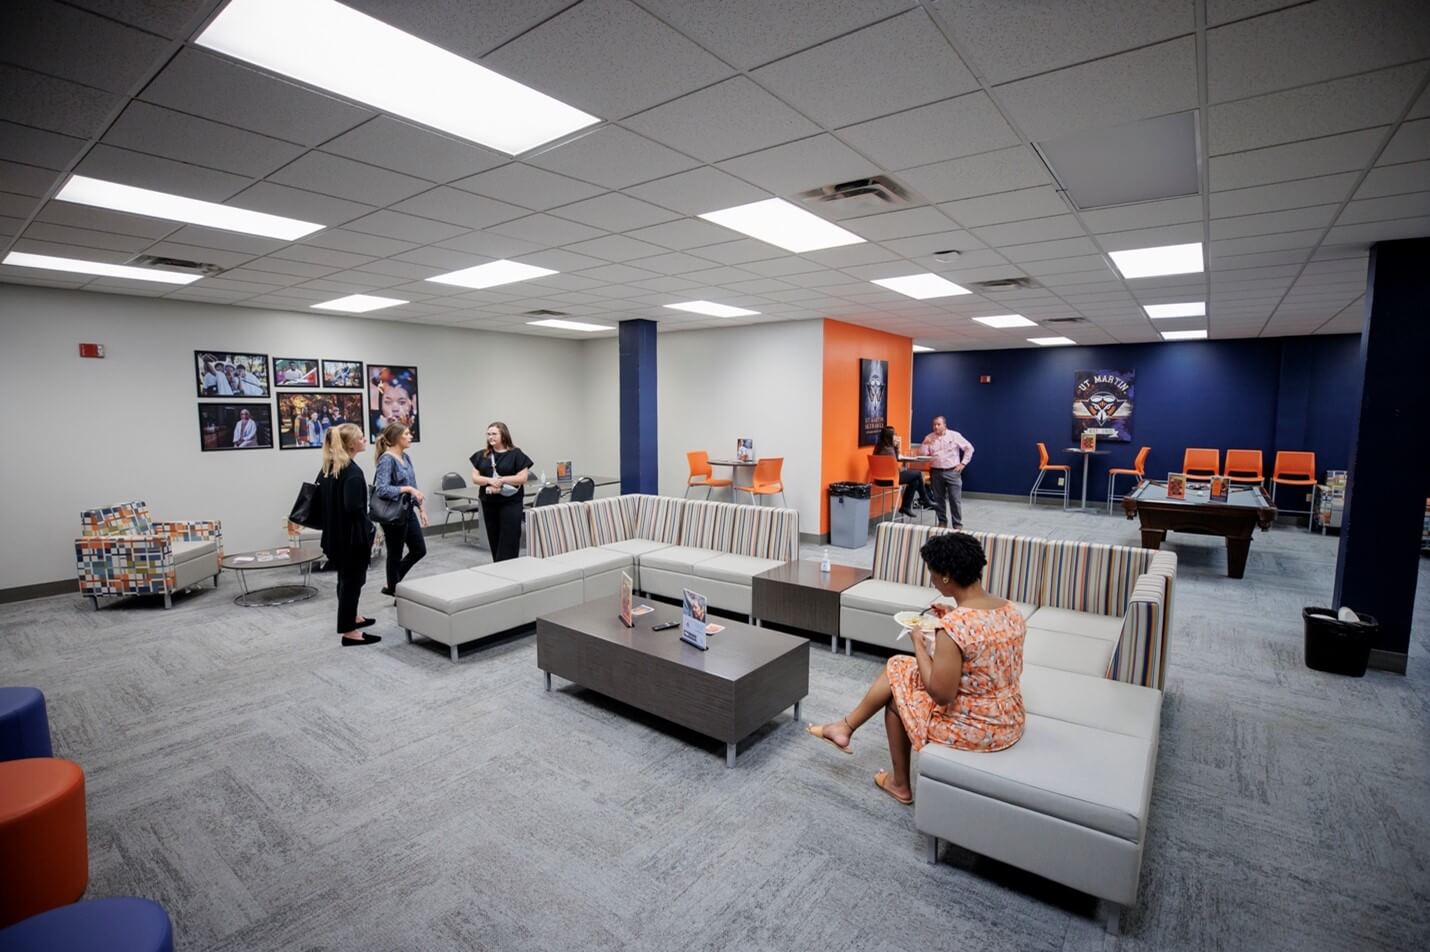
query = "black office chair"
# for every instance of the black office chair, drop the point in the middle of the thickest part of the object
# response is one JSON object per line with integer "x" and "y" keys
{"x": 461, "y": 508}
{"x": 548, "y": 495}
{"x": 584, "y": 490}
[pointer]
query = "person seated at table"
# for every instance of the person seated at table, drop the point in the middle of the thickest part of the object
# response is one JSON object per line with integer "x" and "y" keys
{"x": 911, "y": 479}
{"x": 964, "y": 691}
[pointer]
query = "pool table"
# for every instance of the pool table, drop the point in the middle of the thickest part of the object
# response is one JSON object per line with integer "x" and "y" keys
{"x": 1246, "y": 508}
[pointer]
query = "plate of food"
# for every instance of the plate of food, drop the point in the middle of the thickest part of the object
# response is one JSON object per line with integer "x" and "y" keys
{"x": 920, "y": 620}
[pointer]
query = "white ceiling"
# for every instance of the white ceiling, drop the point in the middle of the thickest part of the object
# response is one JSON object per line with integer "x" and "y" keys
{"x": 1314, "y": 133}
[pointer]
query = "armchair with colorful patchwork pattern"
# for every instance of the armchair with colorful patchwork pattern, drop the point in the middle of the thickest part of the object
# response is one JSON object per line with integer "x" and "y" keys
{"x": 124, "y": 552}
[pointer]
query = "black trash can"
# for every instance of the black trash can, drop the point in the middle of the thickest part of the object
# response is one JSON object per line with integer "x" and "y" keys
{"x": 848, "y": 515}
{"x": 1340, "y": 647}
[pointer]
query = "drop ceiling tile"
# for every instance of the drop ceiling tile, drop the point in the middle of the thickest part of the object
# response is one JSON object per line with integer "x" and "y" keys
{"x": 949, "y": 240}
{"x": 1234, "y": 262}
{"x": 322, "y": 256}
{"x": 148, "y": 171}
{"x": 1340, "y": 153}
{"x": 84, "y": 237}
{"x": 617, "y": 274}
{"x": 17, "y": 206}
{"x": 28, "y": 180}
{"x": 546, "y": 230}
{"x": 614, "y": 212}
{"x": 905, "y": 223}
{"x": 1267, "y": 223}
{"x": 295, "y": 268}
{"x": 666, "y": 285}
{"x": 31, "y": 146}
{"x": 443, "y": 258}
{"x": 1410, "y": 143}
{"x": 749, "y": 33}
{"x": 471, "y": 30}
{"x": 456, "y": 207}
{"x": 698, "y": 191}
{"x": 56, "y": 105}
{"x": 607, "y": 57}
{"x": 1043, "y": 250}
{"x": 218, "y": 256}
{"x": 1321, "y": 190}
{"x": 175, "y": 135}
{"x": 851, "y": 255}
{"x": 527, "y": 186}
{"x": 390, "y": 143}
{"x": 1185, "y": 233}
{"x": 1385, "y": 209}
{"x": 203, "y": 84}
{"x": 816, "y": 279}
{"x": 616, "y": 248}
{"x": 1170, "y": 211}
{"x": 345, "y": 178}
{"x": 298, "y": 203}
{"x": 357, "y": 243}
{"x": 1093, "y": 265}
{"x": 404, "y": 270}
{"x": 562, "y": 259}
{"x": 944, "y": 130}
{"x": 1001, "y": 171}
{"x": 797, "y": 166}
{"x": 740, "y": 252}
{"x": 613, "y": 157}
{"x": 1021, "y": 205}
{"x": 1287, "y": 241}
{"x": 1395, "y": 180}
{"x": 490, "y": 245}
{"x": 683, "y": 234}
{"x": 269, "y": 278}
{"x": 75, "y": 45}
{"x": 1313, "y": 42}
{"x": 396, "y": 225}
{"x": 777, "y": 267}
{"x": 65, "y": 250}
{"x": 731, "y": 118}
{"x": 226, "y": 240}
{"x": 1324, "y": 109}
{"x": 913, "y": 63}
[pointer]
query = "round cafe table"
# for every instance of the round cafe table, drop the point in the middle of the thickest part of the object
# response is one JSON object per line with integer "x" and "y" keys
{"x": 1079, "y": 451}
{"x": 261, "y": 560}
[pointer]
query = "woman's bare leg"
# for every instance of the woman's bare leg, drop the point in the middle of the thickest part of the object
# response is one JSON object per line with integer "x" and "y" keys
{"x": 900, "y": 748}
{"x": 878, "y": 696}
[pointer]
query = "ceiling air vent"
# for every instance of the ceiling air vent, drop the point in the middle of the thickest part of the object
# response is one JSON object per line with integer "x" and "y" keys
{"x": 174, "y": 264}
{"x": 866, "y": 196}
{"x": 543, "y": 312}
{"x": 1006, "y": 284}
{"x": 1066, "y": 320}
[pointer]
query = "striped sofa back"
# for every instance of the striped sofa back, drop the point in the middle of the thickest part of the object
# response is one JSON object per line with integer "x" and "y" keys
{"x": 1015, "y": 565}
{"x": 659, "y": 518}
{"x": 1090, "y": 576}
{"x": 612, "y": 518}
{"x": 708, "y": 525}
{"x": 552, "y": 530}
{"x": 1140, "y": 655}
{"x": 896, "y": 553}
{"x": 766, "y": 533}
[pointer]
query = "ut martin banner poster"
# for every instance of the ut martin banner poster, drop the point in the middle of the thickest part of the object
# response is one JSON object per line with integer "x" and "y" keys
{"x": 1102, "y": 404}
{"x": 873, "y": 399}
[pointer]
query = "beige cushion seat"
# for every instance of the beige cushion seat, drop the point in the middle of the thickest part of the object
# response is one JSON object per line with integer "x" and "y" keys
{"x": 532, "y": 574}
{"x": 888, "y": 597}
{"x": 188, "y": 551}
{"x": 735, "y": 568}
{"x": 457, "y": 591}
{"x": 678, "y": 558}
{"x": 634, "y": 547}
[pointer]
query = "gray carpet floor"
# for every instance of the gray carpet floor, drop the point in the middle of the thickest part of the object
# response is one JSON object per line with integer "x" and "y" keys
{"x": 276, "y": 791}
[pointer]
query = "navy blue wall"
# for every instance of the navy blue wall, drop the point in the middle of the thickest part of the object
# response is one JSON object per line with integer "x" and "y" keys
{"x": 1288, "y": 393}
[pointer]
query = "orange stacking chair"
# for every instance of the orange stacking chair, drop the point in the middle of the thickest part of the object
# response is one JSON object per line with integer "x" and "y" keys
{"x": 702, "y": 473}
{"x": 765, "y": 481}
{"x": 1244, "y": 467}
{"x": 1044, "y": 468}
{"x": 1201, "y": 463}
{"x": 884, "y": 475}
{"x": 1293, "y": 468}
{"x": 1139, "y": 469}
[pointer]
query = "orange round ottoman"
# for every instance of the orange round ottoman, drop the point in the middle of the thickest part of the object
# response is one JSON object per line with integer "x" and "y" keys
{"x": 42, "y": 837}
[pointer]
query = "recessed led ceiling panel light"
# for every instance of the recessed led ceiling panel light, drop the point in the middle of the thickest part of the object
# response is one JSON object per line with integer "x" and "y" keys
{"x": 711, "y": 308}
{"x": 1155, "y": 262}
{"x": 921, "y": 286}
{"x": 1051, "y": 341}
{"x": 493, "y": 273}
{"x": 1189, "y": 309}
{"x": 784, "y": 225}
{"x": 921, "y": 349}
{"x": 571, "y": 326}
{"x": 334, "y": 47}
{"x": 1184, "y": 335}
{"x": 142, "y": 201}
{"x": 1006, "y": 320}
{"x": 358, "y": 303}
{"x": 21, "y": 259}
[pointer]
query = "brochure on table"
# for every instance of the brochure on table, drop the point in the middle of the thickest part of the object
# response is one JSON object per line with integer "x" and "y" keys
{"x": 628, "y": 611}
{"x": 692, "y": 619}
{"x": 1219, "y": 489}
{"x": 563, "y": 473}
{"x": 1089, "y": 441}
{"x": 745, "y": 449}
{"x": 1176, "y": 485}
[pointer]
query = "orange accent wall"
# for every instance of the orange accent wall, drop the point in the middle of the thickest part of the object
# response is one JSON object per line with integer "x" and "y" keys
{"x": 844, "y": 346}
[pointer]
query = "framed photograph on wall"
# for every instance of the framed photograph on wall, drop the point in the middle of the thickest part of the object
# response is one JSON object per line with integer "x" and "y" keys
{"x": 235, "y": 426}
{"x": 1102, "y": 404}
{"x": 224, "y": 374}
{"x": 392, "y": 398}
{"x": 303, "y": 418}
{"x": 342, "y": 375}
{"x": 295, "y": 372}
{"x": 873, "y": 399}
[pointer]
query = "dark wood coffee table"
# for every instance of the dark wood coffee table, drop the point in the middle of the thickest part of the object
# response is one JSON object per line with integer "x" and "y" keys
{"x": 799, "y": 595}
{"x": 1235, "y": 520}
{"x": 746, "y": 678}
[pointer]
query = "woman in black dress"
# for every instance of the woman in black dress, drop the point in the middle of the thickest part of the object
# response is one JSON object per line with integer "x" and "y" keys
{"x": 347, "y": 530}
{"x": 911, "y": 479}
{"x": 503, "y": 469}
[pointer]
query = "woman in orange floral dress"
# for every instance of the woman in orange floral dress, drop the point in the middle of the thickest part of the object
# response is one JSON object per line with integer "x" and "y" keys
{"x": 964, "y": 692}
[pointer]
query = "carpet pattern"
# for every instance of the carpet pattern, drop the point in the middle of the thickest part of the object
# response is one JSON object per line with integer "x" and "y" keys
{"x": 274, "y": 791}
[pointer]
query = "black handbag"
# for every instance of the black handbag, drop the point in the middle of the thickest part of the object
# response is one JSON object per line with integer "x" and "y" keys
{"x": 387, "y": 512}
{"x": 306, "y": 511}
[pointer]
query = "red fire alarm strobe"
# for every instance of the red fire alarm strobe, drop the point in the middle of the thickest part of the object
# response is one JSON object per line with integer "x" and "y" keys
{"x": 91, "y": 350}
{"x": 985, "y": 378}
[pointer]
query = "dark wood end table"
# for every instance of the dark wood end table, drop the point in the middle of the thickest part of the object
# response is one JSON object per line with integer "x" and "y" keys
{"x": 798, "y": 594}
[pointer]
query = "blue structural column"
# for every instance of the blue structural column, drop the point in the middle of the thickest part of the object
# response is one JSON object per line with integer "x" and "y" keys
{"x": 640, "y": 466}
{"x": 1389, "y": 480}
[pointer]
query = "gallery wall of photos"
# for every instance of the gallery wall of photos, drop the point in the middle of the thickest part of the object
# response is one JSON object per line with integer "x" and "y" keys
{"x": 247, "y": 402}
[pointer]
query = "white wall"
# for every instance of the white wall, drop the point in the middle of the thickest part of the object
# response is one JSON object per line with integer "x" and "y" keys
{"x": 86, "y": 433}
{"x": 764, "y": 381}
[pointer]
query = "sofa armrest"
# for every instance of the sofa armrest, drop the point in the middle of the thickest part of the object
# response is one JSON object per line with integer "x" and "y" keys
{"x": 1140, "y": 656}
{"x": 124, "y": 564}
{"x": 192, "y": 531}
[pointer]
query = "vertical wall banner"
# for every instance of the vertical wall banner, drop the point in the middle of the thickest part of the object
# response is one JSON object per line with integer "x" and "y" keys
{"x": 873, "y": 399}
{"x": 1102, "y": 404}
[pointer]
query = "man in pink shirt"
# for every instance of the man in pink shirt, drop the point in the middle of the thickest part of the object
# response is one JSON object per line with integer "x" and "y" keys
{"x": 950, "y": 452}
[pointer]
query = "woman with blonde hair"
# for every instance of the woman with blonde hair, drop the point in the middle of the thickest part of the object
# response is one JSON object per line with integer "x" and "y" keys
{"x": 347, "y": 530}
{"x": 396, "y": 479}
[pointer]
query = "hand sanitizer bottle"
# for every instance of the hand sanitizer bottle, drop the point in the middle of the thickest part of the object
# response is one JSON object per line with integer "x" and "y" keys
{"x": 824, "y": 564}
{"x": 543, "y": 477}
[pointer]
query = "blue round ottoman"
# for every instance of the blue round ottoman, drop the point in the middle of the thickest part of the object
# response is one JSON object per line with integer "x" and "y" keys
{"x": 24, "y": 727}
{"x": 123, "y": 924}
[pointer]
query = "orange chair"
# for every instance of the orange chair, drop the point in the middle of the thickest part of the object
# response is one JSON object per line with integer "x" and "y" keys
{"x": 765, "y": 481}
{"x": 1293, "y": 468}
{"x": 1139, "y": 469}
{"x": 703, "y": 474}
{"x": 1199, "y": 464}
{"x": 43, "y": 839}
{"x": 1044, "y": 468}
{"x": 1243, "y": 467}
{"x": 884, "y": 475}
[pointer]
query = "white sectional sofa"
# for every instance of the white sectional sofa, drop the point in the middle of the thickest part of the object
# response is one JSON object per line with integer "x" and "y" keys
{"x": 1069, "y": 801}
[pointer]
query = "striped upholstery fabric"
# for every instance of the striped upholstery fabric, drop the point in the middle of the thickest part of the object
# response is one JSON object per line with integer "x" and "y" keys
{"x": 766, "y": 533}
{"x": 610, "y": 519}
{"x": 659, "y": 518}
{"x": 1015, "y": 565}
{"x": 708, "y": 525}
{"x": 1140, "y": 654}
{"x": 553, "y": 530}
{"x": 1091, "y": 577}
{"x": 896, "y": 553}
